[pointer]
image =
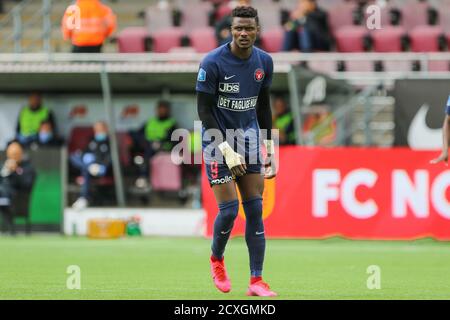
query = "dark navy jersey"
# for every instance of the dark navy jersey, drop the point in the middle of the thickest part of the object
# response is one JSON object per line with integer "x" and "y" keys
{"x": 236, "y": 84}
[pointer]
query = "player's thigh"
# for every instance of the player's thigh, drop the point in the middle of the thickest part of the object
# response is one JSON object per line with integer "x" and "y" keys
{"x": 251, "y": 185}
{"x": 225, "y": 192}
{"x": 221, "y": 181}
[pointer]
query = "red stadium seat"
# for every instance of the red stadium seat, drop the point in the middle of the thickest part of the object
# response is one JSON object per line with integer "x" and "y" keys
{"x": 341, "y": 15}
{"x": 203, "y": 40}
{"x": 272, "y": 39}
{"x": 413, "y": 14}
{"x": 123, "y": 143}
{"x": 269, "y": 15}
{"x": 425, "y": 38}
{"x": 79, "y": 138}
{"x": 388, "y": 39}
{"x": 194, "y": 15}
{"x": 350, "y": 38}
{"x": 166, "y": 39}
{"x": 444, "y": 16}
{"x": 157, "y": 18}
{"x": 165, "y": 175}
{"x": 132, "y": 39}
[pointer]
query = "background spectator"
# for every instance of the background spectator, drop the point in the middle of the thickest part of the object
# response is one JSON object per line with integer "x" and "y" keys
{"x": 88, "y": 26}
{"x": 93, "y": 162}
{"x": 47, "y": 137}
{"x": 307, "y": 29}
{"x": 30, "y": 119}
{"x": 17, "y": 175}
{"x": 156, "y": 133}
{"x": 283, "y": 121}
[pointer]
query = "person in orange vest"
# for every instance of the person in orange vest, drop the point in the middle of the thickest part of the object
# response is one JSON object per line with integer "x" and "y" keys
{"x": 87, "y": 23}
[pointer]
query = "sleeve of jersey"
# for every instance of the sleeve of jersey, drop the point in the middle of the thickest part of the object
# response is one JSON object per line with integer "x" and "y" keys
{"x": 207, "y": 77}
{"x": 269, "y": 73}
{"x": 447, "y": 109}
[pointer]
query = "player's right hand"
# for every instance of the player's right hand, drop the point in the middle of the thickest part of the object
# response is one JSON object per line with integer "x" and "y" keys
{"x": 234, "y": 161}
{"x": 443, "y": 157}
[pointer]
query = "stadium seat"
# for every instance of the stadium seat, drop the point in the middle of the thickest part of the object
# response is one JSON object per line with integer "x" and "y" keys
{"x": 194, "y": 14}
{"x": 166, "y": 39}
{"x": 341, "y": 15}
{"x": 388, "y": 39}
{"x": 413, "y": 14}
{"x": 165, "y": 175}
{"x": 203, "y": 40}
{"x": 426, "y": 39}
{"x": 272, "y": 39}
{"x": 223, "y": 11}
{"x": 351, "y": 39}
{"x": 132, "y": 39}
{"x": 444, "y": 16}
{"x": 79, "y": 138}
{"x": 158, "y": 18}
{"x": 269, "y": 15}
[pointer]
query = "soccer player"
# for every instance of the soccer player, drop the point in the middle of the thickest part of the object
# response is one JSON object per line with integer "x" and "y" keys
{"x": 446, "y": 137}
{"x": 233, "y": 95}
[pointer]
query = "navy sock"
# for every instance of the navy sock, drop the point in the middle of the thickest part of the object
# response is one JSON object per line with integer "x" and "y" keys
{"x": 223, "y": 224}
{"x": 254, "y": 234}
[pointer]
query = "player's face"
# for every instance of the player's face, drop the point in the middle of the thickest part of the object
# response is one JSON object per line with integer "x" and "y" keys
{"x": 244, "y": 31}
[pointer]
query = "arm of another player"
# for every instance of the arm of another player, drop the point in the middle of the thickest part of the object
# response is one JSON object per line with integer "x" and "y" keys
{"x": 446, "y": 140}
{"x": 264, "y": 113}
{"x": 234, "y": 161}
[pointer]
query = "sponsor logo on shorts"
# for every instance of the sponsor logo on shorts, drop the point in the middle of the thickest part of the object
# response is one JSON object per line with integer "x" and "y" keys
{"x": 223, "y": 180}
{"x": 229, "y": 87}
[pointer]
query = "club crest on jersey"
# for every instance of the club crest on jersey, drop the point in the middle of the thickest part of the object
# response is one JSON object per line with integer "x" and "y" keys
{"x": 259, "y": 75}
{"x": 229, "y": 87}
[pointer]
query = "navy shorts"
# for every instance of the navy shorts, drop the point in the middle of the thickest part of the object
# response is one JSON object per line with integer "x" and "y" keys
{"x": 220, "y": 174}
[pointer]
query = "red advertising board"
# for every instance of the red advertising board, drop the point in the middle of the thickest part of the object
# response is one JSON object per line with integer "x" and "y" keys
{"x": 357, "y": 193}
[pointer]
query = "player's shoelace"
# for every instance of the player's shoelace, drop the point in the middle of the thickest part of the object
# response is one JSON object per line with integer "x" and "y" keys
{"x": 219, "y": 271}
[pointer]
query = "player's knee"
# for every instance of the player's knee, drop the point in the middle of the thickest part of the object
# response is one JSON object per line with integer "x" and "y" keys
{"x": 253, "y": 208}
{"x": 229, "y": 210}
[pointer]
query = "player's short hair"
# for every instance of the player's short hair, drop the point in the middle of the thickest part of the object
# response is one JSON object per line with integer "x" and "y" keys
{"x": 245, "y": 12}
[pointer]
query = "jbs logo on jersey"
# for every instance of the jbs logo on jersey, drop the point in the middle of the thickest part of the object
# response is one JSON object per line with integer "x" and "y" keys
{"x": 229, "y": 87}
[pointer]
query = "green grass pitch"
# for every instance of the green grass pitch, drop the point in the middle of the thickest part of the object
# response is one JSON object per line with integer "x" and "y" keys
{"x": 177, "y": 268}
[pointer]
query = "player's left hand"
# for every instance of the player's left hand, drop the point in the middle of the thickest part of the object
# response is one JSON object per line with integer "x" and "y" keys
{"x": 270, "y": 167}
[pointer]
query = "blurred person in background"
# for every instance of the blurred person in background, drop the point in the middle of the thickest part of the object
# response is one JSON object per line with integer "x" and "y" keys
{"x": 223, "y": 26}
{"x": 87, "y": 24}
{"x": 93, "y": 162}
{"x": 155, "y": 136}
{"x": 283, "y": 121}
{"x": 307, "y": 29}
{"x": 17, "y": 175}
{"x": 31, "y": 118}
{"x": 47, "y": 136}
